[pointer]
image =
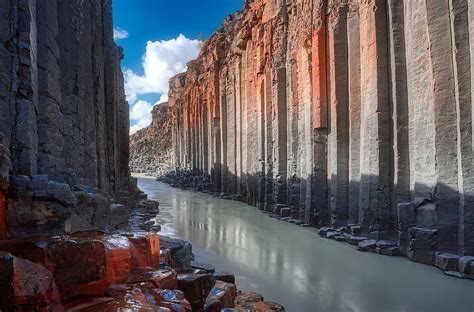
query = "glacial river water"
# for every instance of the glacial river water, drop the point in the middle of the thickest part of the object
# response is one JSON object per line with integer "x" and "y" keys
{"x": 294, "y": 266}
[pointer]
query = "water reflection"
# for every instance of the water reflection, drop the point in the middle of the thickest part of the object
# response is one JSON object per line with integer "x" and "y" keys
{"x": 294, "y": 266}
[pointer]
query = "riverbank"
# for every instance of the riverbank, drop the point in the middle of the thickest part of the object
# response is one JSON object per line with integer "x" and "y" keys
{"x": 117, "y": 261}
{"x": 295, "y": 266}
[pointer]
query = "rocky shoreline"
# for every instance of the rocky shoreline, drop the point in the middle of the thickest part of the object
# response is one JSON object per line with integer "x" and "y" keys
{"x": 421, "y": 246}
{"x": 131, "y": 268}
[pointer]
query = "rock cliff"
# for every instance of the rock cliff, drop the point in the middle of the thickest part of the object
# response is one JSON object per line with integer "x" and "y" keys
{"x": 150, "y": 148}
{"x": 338, "y": 113}
{"x": 75, "y": 235}
{"x": 63, "y": 118}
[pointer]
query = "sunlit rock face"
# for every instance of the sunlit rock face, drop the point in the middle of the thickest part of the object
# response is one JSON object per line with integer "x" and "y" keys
{"x": 347, "y": 112}
{"x": 150, "y": 148}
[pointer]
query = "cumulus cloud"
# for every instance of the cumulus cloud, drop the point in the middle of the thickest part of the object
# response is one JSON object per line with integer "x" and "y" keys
{"x": 140, "y": 115}
{"x": 120, "y": 34}
{"x": 162, "y": 60}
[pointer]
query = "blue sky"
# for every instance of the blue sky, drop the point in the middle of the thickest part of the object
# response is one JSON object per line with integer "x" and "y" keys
{"x": 159, "y": 38}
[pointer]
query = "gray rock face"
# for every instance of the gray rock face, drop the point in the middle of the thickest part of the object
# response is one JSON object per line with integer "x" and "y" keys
{"x": 63, "y": 118}
{"x": 181, "y": 252}
{"x": 63, "y": 107}
{"x": 150, "y": 148}
{"x": 423, "y": 245}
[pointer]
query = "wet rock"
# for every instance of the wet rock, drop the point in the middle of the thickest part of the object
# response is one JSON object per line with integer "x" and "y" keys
{"x": 171, "y": 299}
{"x": 387, "y": 248}
{"x": 323, "y": 231}
{"x": 267, "y": 306}
{"x": 446, "y": 261}
{"x": 422, "y": 245}
{"x": 466, "y": 266}
{"x": 227, "y": 277}
{"x": 223, "y": 292}
{"x": 145, "y": 249}
{"x": 332, "y": 234}
{"x": 454, "y": 274}
{"x": 85, "y": 264}
{"x": 340, "y": 238}
{"x": 196, "y": 288}
{"x": 132, "y": 300}
{"x": 202, "y": 268}
{"x": 181, "y": 252}
{"x": 367, "y": 245}
{"x": 213, "y": 305}
{"x": 25, "y": 286}
{"x": 355, "y": 240}
{"x": 354, "y": 229}
{"x": 245, "y": 297}
{"x": 164, "y": 279}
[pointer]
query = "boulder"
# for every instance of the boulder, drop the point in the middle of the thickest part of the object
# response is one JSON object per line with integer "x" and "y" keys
{"x": 466, "y": 266}
{"x": 223, "y": 292}
{"x": 164, "y": 279}
{"x": 227, "y": 277}
{"x": 181, "y": 252}
{"x": 145, "y": 250}
{"x": 202, "y": 268}
{"x": 446, "y": 261}
{"x": 367, "y": 245}
{"x": 196, "y": 288}
{"x": 26, "y": 286}
{"x": 172, "y": 299}
{"x": 245, "y": 297}
{"x": 129, "y": 299}
{"x": 355, "y": 240}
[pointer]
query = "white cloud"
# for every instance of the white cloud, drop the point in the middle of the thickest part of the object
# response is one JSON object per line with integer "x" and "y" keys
{"x": 163, "y": 98}
{"x": 140, "y": 116}
{"x": 120, "y": 34}
{"x": 162, "y": 60}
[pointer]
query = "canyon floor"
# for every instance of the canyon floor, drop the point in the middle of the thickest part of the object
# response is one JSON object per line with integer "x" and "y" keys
{"x": 294, "y": 266}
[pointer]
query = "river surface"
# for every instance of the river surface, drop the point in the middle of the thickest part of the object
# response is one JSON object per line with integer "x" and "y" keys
{"x": 294, "y": 266}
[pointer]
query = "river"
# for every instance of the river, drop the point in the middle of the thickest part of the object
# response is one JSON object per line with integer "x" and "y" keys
{"x": 293, "y": 266}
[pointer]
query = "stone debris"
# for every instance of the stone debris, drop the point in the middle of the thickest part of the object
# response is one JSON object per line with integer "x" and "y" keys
{"x": 466, "y": 266}
{"x": 367, "y": 245}
{"x": 196, "y": 288}
{"x": 446, "y": 261}
{"x": 223, "y": 276}
{"x": 223, "y": 292}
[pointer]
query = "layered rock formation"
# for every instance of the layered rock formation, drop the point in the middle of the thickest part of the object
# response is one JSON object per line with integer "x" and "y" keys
{"x": 63, "y": 118}
{"x": 150, "y": 148}
{"x": 347, "y": 112}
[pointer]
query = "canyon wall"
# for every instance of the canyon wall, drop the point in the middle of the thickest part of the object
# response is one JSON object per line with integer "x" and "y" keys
{"x": 150, "y": 148}
{"x": 347, "y": 112}
{"x": 64, "y": 121}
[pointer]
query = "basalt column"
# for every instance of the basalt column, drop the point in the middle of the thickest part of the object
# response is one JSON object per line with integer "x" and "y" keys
{"x": 63, "y": 116}
{"x": 338, "y": 113}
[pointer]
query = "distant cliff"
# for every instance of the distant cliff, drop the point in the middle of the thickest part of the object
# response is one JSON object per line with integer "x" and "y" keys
{"x": 150, "y": 148}
{"x": 347, "y": 112}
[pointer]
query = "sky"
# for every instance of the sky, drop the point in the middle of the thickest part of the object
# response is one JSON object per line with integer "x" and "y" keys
{"x": 159, "y": 37}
